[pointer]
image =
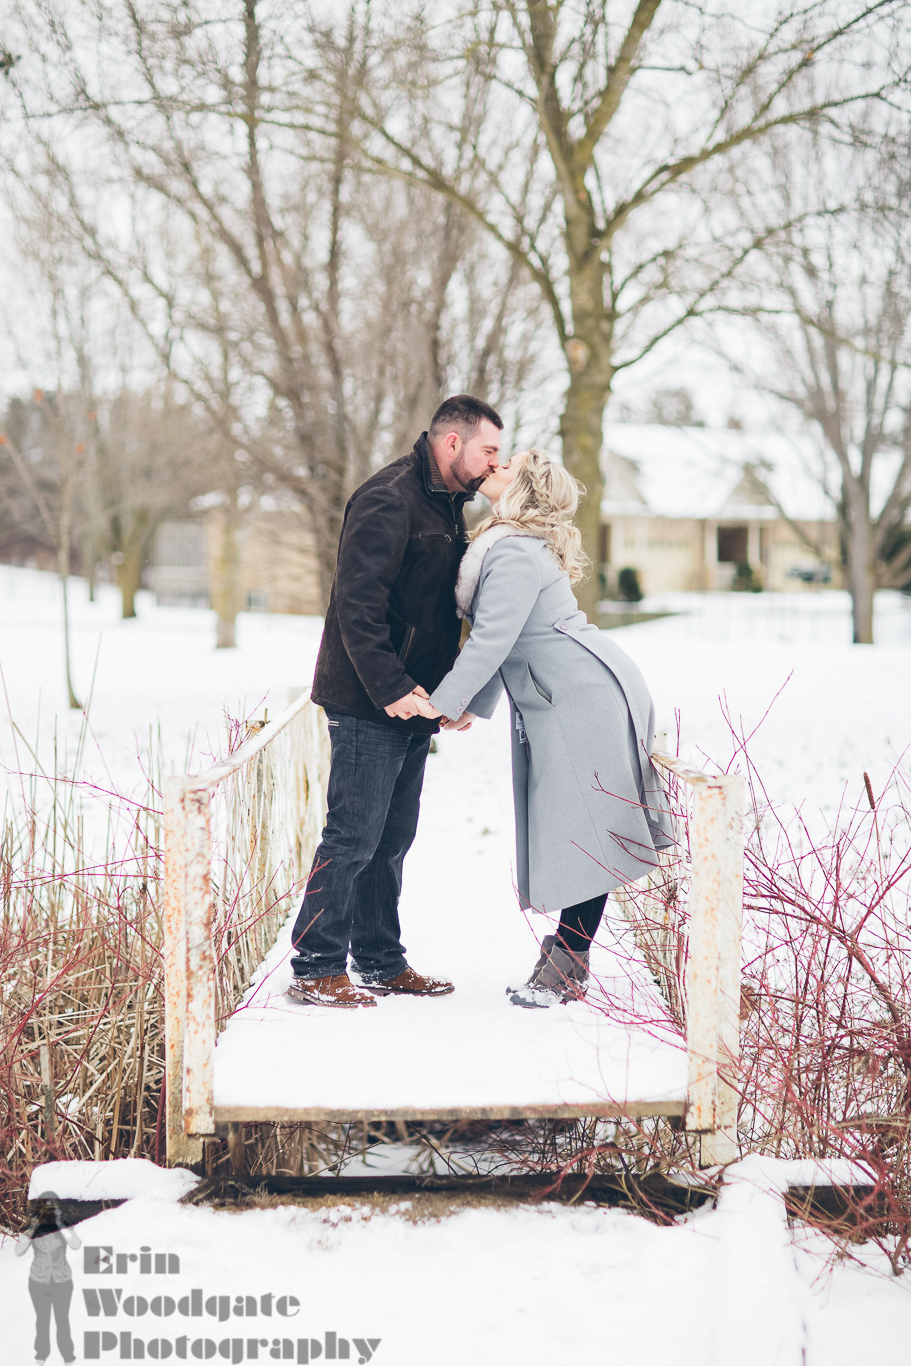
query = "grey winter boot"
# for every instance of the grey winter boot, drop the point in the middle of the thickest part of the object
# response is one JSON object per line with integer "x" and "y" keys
{"x": 558, "y": 976}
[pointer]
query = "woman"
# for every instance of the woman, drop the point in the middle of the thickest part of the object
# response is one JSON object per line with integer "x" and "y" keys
{"x": 50, "y": 1281}
{"x": 591, "y": 810}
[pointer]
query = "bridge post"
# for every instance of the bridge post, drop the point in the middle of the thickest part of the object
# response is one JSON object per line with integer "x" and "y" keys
{"x": 189, "y": 973}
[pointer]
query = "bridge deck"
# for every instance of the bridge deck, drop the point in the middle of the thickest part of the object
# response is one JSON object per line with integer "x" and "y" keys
{"x": 471, "y": 1054}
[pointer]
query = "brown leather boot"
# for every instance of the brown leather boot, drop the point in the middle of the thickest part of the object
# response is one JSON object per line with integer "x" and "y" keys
{"x": 411, "y": 983}
{"x": 337, "y": 992}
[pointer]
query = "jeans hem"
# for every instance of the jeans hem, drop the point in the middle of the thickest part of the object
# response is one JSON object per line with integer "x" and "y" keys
{"x": 314, "y": 970}
{"x": 373, "y": 977}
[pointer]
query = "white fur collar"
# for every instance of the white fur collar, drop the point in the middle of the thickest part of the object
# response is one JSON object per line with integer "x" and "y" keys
{"x": 473, "y": 562}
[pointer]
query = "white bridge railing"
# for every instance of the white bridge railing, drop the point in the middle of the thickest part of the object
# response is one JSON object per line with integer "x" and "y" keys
{"x": 238, "y": 843}
{"x": 709, "y": 964}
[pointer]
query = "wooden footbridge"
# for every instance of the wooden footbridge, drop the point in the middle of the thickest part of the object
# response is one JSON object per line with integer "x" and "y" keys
{"x": 239, "y": 840}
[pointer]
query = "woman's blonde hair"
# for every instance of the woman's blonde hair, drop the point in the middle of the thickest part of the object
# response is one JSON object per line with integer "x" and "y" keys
{"x": 541, "y": 500}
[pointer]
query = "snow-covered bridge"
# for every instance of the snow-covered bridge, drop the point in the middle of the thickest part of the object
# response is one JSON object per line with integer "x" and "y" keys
{"x": 238, "y": 836}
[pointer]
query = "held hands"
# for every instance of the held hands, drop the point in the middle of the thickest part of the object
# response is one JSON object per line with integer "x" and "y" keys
{"x": 417, "y": 703}
{"x": 413, "y": 704}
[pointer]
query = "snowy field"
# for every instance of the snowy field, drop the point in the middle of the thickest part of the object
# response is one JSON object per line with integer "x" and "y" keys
{"x": 840, "y": 709}
{"x": 486, "y": 1285}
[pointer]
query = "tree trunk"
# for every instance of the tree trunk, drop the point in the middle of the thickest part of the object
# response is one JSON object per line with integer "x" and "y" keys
{"x": 63, "y": 567}
{"x": 129, "y": 576}
{"x": 861, "y": 577}
{"x": 225, "y": 576}
{"x": 89, "y": 557}
{"x": 861, "y": 560}
{"x": 580, "y": 430}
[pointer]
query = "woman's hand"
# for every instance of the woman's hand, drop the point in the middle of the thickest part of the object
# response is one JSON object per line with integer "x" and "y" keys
{"x": 463, "y": 722}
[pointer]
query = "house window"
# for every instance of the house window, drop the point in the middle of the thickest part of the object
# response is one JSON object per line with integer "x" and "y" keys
{"x": 732, "y": 545}
{"x": 604, "y": 540}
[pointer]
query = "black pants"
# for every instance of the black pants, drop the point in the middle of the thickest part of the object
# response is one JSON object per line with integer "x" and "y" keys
{"x": 352, "y": 900}
{"x": 48, "y": 1295}
{"x": 579, "y": 924}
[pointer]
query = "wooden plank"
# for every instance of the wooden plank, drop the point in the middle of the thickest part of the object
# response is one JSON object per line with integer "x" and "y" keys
{"x": 254, "y": 1114}
{"x": 607, "y": 1188}
{"x": 199, "y": 1033}
{"x": 713, "y": 978}
{"x": 181, "y": 1150}
{"x": 702, "y": 969}
{"x": 721, "y": 1145}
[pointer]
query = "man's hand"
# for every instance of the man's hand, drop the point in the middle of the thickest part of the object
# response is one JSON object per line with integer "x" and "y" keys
{"x": 463, "y": 723}
{"x": 414, "y": 703}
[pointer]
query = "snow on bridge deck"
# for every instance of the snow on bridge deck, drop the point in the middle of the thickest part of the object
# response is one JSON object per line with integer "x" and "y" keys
{"x": 471, "y": 1051}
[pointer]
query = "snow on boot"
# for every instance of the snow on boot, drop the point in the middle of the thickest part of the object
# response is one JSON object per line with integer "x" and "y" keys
{"x": 338, "y": 992}
{"x": 558, "y": 976}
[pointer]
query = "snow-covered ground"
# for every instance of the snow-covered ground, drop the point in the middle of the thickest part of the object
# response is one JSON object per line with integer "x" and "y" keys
{"x": 493, "y": 1286}
{"x": 840, "y": 709}
{"x": 484, "y": 1285}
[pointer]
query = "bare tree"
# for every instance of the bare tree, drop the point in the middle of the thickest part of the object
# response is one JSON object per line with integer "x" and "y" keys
{"x": 106, "y": 464}
{"x": 153, "y": 456}
{"x": 38, "y": 465}
{"x": 617, "y": 125}
{"x": 315, "y": 310}
{"x": 831, "y": 303}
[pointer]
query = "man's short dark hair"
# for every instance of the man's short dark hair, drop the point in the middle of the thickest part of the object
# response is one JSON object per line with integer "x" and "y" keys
{"x": 462, "y": 413}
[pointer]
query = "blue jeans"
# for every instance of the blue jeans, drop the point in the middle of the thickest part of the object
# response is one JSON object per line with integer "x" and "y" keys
{"x": 352, "y": 898}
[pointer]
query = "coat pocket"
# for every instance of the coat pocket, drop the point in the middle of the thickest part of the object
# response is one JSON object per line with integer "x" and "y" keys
{"x": 539, "y": 688}
{"x": 407, "y": 642}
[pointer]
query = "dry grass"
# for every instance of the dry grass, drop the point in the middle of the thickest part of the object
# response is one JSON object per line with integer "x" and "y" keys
{"x": 81, "y": 981}
{"x": 423, "y": 1208}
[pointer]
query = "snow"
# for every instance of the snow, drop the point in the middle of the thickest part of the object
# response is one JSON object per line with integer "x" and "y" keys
{"x": 124, "y": 1179}
{"x": 511, "y": 1285}
{"x": 819, "y": 710}
{"x": 159, "y": 681}
{"x": 484, "y": 1284}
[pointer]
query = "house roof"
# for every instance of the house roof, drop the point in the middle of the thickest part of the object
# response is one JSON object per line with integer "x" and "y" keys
{"x": 700, "y": 472}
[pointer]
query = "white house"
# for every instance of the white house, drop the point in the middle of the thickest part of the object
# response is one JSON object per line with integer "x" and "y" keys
{"x": 695, "y": 508}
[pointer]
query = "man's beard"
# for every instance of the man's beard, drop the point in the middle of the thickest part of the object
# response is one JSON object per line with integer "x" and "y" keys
{"x": 460, "y": 475}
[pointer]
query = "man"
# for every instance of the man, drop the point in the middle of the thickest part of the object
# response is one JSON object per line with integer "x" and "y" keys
{"x": 391, "y": 636}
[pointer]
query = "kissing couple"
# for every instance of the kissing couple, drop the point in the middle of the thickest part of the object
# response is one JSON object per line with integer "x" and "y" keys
{"x": 591, "y": 811}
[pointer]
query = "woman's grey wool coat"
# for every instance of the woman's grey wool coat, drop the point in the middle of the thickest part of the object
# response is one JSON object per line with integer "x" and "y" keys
{"x": 590, "y": 807}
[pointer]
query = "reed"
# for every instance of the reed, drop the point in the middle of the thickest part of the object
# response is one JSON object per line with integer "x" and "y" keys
{"x": 81, "y": 976}
{"x": 80, "y": 980}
